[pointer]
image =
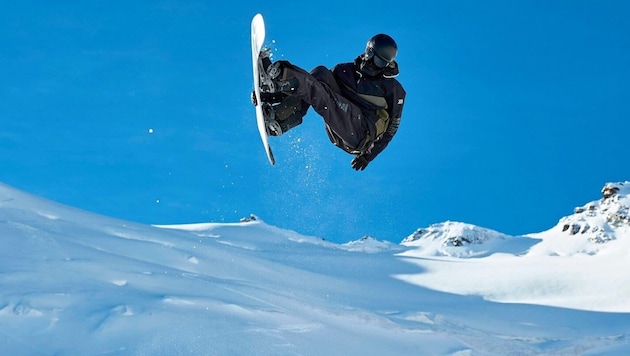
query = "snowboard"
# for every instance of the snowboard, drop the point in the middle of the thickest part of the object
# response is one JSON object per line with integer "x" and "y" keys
{"x": 258, "y": 38}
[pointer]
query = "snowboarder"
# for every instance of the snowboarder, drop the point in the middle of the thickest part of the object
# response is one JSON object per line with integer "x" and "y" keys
{"x": 361, "y": 102}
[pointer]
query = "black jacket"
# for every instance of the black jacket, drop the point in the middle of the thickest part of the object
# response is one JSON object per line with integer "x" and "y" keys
{"x": 355, "y": 86}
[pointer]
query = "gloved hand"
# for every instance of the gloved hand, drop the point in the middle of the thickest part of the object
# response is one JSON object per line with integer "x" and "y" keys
{"x": 359, "y": 163}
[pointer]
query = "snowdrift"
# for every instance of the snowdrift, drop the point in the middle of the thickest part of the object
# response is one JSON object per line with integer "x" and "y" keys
{"x": 72, "y": 282}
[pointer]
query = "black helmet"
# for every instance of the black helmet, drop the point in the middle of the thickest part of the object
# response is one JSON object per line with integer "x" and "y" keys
{"x": 382, "y": 48}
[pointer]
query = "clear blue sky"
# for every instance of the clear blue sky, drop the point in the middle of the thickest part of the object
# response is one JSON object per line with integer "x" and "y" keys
{"x": 516, "y": 112}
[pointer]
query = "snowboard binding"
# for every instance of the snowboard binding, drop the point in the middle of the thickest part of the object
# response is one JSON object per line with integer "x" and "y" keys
{"x": 268, "y": 97}
{"x": 272, "y": 125}
{"x": 264, "y": 64}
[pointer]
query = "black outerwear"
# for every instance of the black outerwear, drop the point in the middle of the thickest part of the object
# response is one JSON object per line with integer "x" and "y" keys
{"x": 339, "y": 96}
{"x": 355, "y": 86}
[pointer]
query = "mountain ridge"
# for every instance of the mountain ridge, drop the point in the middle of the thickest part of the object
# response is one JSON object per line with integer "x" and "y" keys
{"x": 590, "y": 227}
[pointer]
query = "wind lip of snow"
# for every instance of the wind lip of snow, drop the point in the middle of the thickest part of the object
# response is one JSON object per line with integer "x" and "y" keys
{"x": 202, "y": 227}
{"x": 368, "y": 244}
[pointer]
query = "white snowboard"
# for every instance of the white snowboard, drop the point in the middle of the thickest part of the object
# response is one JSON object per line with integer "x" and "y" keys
{"x": 258, "y": 38}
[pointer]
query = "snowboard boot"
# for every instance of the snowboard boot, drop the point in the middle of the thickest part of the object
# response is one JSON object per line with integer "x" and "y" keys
{"x": 288, "y": 113}
{"x": 292, "y": 121}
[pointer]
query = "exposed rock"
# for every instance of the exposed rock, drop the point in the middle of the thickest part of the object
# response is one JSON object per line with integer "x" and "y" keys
{"x": 609, "y": 190}
{"x": 601, "y": 220}
{"x": 249, "y": 218}
{"x": 454, "y": 234}
{"x": 598, "y": 221}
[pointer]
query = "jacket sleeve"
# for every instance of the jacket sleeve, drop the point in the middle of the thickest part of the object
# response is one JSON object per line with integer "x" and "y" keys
{"x": 395, "y": 101}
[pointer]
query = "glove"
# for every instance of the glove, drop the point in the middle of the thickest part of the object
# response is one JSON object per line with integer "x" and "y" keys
{"x": 359, "y": 163}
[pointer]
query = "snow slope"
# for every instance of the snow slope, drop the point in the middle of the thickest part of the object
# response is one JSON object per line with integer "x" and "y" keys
{"x": 72, "y": 282}
{"x": 580, "y": 263}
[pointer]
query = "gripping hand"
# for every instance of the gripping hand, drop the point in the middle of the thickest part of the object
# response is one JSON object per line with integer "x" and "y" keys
{"x": 359, "y": 163}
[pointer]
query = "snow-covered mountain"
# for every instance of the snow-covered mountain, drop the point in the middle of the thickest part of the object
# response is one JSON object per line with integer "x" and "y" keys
{"x": 584, "y": 231}
{"x": 72, "y": 282}
{"x": 456, "y": 239}
{"x": 596, "y": 237}
{"x": 601, "y": 220}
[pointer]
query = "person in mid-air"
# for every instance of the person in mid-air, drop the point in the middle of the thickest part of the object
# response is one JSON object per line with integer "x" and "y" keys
{"x": 361, "y": 102}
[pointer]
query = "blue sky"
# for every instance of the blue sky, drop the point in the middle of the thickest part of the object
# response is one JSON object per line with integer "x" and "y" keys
{"x": 516, "y": 112}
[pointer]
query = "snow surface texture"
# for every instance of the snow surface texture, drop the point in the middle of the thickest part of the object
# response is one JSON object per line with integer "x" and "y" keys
{"x": 73, "y": 282}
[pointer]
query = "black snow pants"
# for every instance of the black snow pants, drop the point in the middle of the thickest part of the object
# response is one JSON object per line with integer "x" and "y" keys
{"x": 319, "y": 89}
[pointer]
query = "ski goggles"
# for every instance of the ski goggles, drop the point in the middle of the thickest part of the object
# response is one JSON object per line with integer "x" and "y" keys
{"x": 378, "y": 60}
